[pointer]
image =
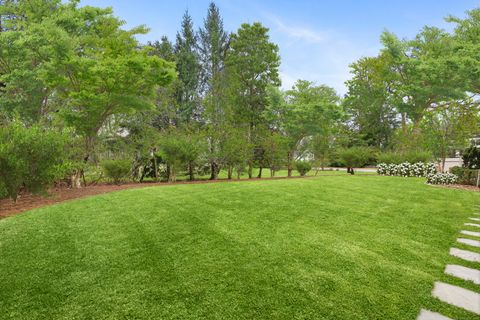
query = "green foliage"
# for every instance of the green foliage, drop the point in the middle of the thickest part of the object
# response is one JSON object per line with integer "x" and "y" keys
{"x": 394, "y": 157}
{"x": 471, "y": 157}
{"x": 367, "y": 101}
{"x": 466, "y": 175}
{"x": 252, "y": 62}
{"x": 31, "y": 158}
{"x": 355, "y": 157}
{"x": 303, "y": 167}
{"x": 117, "y": 170}
{"x": 180, "y": 149}
{"x": 188, "y": 69}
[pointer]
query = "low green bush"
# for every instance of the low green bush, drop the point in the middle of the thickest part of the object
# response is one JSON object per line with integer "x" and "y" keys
{"x": 31, "y": 158}
{"x": 303, "y": 167}
{"x": 465, "y": 175}
{"x": 392, "y": 157}
{"x": 355, "y": 157}
{"x": 116, "y": 170}
{"x": 471, "y": 158}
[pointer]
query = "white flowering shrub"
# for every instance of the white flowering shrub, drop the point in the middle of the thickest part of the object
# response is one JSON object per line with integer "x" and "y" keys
{"x": 418, "y": 169}
{"x": 442, "y": 178}
{"x": 407, "y": 169}
{"x": 403, "y": 169}
{"x": 429, "y": 169}
{"x": 382, "y": 169}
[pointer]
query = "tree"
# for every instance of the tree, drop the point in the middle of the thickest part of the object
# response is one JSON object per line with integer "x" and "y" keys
{"x": 252, "y": 65}
{"x": 467, "y": 49}
{"x": 311, "y": 110}
{"x": 235, "y": 150}
{"x": 188, "y": 69}
{"x": 212, "y": 48}
{"x": 367, "y": 101}
{"x": 110, "y": 77}
{"x": 322, "y": 146}
{"x": 449, "y": 129}
{"x": 422, "y": 76}
{"x": 34, "y": 45}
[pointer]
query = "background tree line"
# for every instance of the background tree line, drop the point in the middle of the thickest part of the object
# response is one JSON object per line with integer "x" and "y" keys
{"x": 210, "y": 100}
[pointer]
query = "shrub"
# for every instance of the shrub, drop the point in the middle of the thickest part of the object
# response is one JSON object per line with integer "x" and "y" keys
{"x": 354, "y": 157}
{"x": 117, "y": 170}
{"x": 471, "y": 158}
{"x": 403, "y": 157}
{"x": 30, "y": 158}
{"x": 406, "y": 169}
{"x": 303, "y": 167}
{"x": 465, "y": 175}
{"x": 441, "y": 178}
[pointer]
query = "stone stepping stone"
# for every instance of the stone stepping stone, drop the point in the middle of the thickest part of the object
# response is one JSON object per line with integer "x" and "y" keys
{"x": 470, "y": 233}
{"x": 465, "y": 254}
{"x": 472, "y": 224}
{"x": 470, "y": 242}
{"x": 464, "y": 273}
{"x": 429, "y": 315}
{"x": 459, "y": 297}
{"x": 474, "y": 219}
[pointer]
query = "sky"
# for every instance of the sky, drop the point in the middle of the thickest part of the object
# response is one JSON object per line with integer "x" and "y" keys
{"x": 318, "y": 39}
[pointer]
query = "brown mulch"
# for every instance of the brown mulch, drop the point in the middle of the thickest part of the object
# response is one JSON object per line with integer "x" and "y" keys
{"x": 458, "y": 186}
{"x": 28, "y": 201}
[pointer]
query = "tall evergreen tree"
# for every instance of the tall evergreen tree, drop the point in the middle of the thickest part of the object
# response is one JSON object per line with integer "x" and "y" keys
{"x": 212, "y": 48}
{"x": 188, "y": 69}
{"x": 163, "y": 49}
{"x": 252, "y": 65}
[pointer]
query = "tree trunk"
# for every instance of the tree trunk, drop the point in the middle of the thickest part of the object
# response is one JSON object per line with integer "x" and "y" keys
{"x": 155, "y": 167}
{"x": 250, "y": 171}
{"x": 172, "y": 177}
{"x": 289, "y": 164}
{"x": 272, "y": 172}
{"x": 229, "y": 172}
{"x": 75, "y": 180}
{"x": 213, "y": 171}
{"x": 260, "y": 173}
{"x": 190, "y": 172}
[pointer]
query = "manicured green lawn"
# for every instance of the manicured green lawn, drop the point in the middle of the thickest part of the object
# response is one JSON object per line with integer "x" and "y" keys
{"x": 331, "y": 247}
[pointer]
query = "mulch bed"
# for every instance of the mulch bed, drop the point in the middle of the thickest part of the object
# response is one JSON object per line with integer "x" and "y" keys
{"x": 458, "y": 186}
{"x": 28, "y": 201}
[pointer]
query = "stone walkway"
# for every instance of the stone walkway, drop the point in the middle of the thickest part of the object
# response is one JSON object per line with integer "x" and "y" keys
{"x": 455, "y": 295}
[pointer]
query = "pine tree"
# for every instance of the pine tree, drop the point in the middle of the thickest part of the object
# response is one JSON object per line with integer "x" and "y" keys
{"x": 188, "y": 69}
{"x": 212, "y": 48}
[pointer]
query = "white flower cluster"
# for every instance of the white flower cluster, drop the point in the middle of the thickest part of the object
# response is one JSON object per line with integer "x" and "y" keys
{"x": 406, "y": 169}
{"x": 442, "y": 178}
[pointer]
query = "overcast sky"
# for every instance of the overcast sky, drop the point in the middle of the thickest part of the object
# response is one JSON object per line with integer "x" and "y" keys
{"x": 317, "y": 39}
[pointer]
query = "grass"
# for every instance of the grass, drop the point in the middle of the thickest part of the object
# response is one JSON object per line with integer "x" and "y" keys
{"x": 331, "y": 247}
